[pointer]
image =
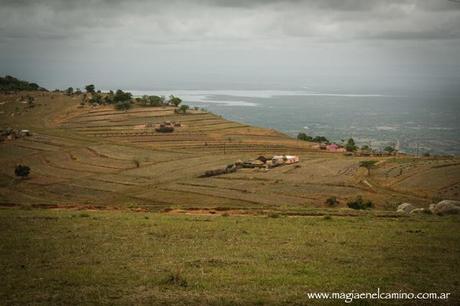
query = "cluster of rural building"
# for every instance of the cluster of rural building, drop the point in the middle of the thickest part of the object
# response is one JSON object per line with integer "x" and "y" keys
{"x": 261, "y": 162}
{"x": 336, "y": 148}
{"x": 12, "y": 134}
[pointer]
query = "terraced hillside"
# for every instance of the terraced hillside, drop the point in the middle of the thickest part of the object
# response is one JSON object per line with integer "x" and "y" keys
{"x": 101, "y": 157}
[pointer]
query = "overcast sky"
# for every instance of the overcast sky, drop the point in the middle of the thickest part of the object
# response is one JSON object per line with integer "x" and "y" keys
{"x": 155, "y": 44}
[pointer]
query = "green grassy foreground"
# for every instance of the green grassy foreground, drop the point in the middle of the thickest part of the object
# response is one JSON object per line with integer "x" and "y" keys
{"x": 118, "y": 257}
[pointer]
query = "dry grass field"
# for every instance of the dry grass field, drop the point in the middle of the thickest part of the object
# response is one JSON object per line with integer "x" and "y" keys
{"x": 129, "y": 220}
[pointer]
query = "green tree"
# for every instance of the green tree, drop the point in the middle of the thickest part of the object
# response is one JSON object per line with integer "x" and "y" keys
{"x": 389, "y": 149}
{"x": 183, "y": 108}
{"x": 69, "y": 91}
{"x": 121, "y": 96}
{"x": 30, "y": 101}
{"x": 350, "y": 145}
{"x": 303, "y": 136}
{"x": 368, "y": 164}
{"x": 175, "y": 100}
{"x": 22, "y": 171}
{"x": 320, "y": 139}
{"x": 151, "y": 100}
{"x": 90, "y": 88}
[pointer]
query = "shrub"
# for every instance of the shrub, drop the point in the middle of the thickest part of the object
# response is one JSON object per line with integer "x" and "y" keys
{"x": 69, "y": 91}
{"x": 175, "y": 100}
{"x": 176, "y": 279}
{"x": 350, "y": 145}
{"x": 123, "y": 105}
{"x": 22, "y": 171}
{"x": 152, "y": 100}
{"x": 121, "y": 96}
{"x": 90, "y": 88}
{"x": 359, "y": 203}
{"x": 303, "y": 136}
{"x": 273, "y": 215}
{"x": 332, "y": 201}
{"x": 320, "y": 139}
{"x": 96, "y": 98}
{"x": 30, "y": 101}
{"x": 183, "y": 108}
{"x": 389, "y": 149}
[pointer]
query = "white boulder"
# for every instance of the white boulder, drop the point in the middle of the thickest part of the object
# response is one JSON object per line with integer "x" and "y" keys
{"x": 405, "y": 208}
{"x": 446, "y": 207}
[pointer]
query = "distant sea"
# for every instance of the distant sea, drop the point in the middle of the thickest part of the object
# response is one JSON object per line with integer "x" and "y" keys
{"x": 416, "y": 122}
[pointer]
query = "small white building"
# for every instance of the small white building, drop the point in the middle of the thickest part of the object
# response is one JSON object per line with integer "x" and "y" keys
{"x": 285, "y": 159}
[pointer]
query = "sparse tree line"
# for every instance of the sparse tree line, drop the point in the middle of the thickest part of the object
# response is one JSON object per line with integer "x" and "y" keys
{"x": 123, "y": 100}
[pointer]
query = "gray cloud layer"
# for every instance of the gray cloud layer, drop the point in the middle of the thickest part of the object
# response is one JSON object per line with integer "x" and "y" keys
{"x": 228, "y": 36}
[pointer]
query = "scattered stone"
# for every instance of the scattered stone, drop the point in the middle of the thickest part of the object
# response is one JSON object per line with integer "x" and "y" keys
{"x": 405, "y": 208}
{"x": 420, "y": 210}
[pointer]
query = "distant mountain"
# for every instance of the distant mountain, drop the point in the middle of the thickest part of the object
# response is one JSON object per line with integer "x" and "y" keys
{"x": 9, "y": 83}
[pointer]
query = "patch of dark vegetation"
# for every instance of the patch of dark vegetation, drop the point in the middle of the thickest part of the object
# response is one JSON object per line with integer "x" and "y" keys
{"x": 273, "y": 215}
{"x": 175, "y": 279}
{"x": 213, "y": 262}
{"x": 305, "y": 137}
{"x": 9, "y": 83}
{"x": 22, "y": 171}
{"x": 222, "y": 208}
{"x": 332, "y": 201}
{"x": 359, "y": 203}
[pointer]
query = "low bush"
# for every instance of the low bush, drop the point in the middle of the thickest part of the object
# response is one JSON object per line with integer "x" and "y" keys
{"x": 22, "y": 171}
{"x": 332, "y": 201}
{"x": 123, "y": 105}
{"x": 359, "y": 203}
{"x": 175, "y": 279}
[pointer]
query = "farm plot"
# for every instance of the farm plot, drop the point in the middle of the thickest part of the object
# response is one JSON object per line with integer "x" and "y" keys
{"x": 262, "y": 199}
{"x": 11, "y": 151}
{"x": 175, "y": 197}
{"x": 130, "y": 153}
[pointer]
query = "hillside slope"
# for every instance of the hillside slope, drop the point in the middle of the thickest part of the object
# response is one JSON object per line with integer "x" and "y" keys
{"x": 101, "y": 157}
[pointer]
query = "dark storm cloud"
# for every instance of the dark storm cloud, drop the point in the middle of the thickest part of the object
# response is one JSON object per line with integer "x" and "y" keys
{"x": 234, "y": 35}
{"x": 231, "y": 19}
